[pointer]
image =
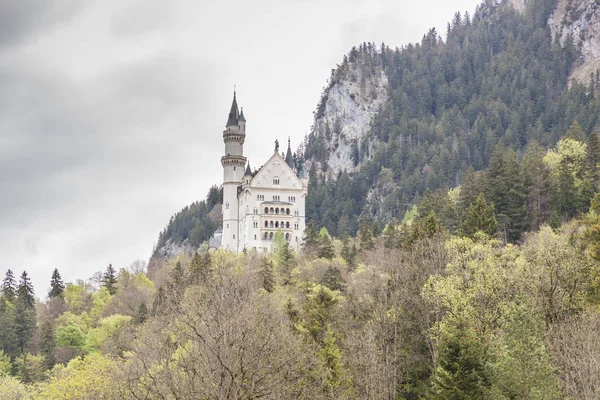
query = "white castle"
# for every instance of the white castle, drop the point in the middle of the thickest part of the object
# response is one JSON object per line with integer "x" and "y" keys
{"x": 257, "y": 204}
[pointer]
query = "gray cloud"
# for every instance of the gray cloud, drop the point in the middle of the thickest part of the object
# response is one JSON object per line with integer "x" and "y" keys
{"x": 111, "y": 113}
{"x": 22, "y": 20}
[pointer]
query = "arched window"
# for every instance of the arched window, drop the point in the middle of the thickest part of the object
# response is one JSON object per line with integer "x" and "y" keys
{"x": 227, "y": 205}
{"x": 277, "y": 211}
{"x": 266, "y": 210}
{"x": 287, "y": 224}
{"x": 271, "y": 236}
{"x": 276, "y": 181}
{"x": 266, "y": 236}
{"x": 287, "y": 237}
{"x": 287, "y": 211}
{"x": 282, "y": 224}
{"x": 276, "y": 224}
{"x": 271, "y": 224}
{"x": 266, "y": 224}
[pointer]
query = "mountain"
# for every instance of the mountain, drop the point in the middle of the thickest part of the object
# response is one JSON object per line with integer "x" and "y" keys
{"x": 394, "y": 122}
{"x": 501, "y": 76}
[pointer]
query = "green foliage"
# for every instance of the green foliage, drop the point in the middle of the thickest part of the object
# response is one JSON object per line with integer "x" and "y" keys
{"x": 109, "y": 279}
{"x": 522, "y": 368}
{"x": 48, "y": 345}
{"x": 325, "y": 247}
{"x": 13, "y": 389}
{"x": 25, "y": 293}
{"x": 332, "y": 278}
{"x": 30, "y": 368}
{"x": 460, "y": 374}
{"x": 311, "y": 237}
{"x": 267, "y": 274}
{"x": 480, "y": 218}
{"x": 57, "y": 286}
{"x": 5, "y": 365}
{"x": 318, "y": 310}
{"x": 9, "y": 286}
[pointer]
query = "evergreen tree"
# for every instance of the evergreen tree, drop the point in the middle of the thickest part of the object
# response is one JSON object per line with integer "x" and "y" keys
{"x": 25, "y": 293}
{"x": 575, "y": 132}
{"x": 523, "y": 368}
{"x": 142, "y": 314}
{"x": 9, "y": 286}
{"x": 366, "y": 237}
{"x": 25, "y": 316}
{"x": 109, "y": 279}
{"x": 332, "y": 278}
{"x": 325, "y": 249}
{"x": 460, "y": 373}
{"x": 479, "y": 217}
{"x": 593, "y": 160}
{"x": 349, "y": 253}
{"x": 311, "y": 237}
{"x": 57, "y": 286}
{"x": 9, "y": 342}
{"x": 267, "y": 274}
{"x": 48, "y": 345}
{"x": 200, "y": 267}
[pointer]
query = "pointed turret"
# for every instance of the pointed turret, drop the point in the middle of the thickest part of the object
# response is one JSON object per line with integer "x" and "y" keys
{"x": 248, "y": 170}
{"x": 289, "y": 159}
{"x": 241, "y": 118}
{"x": 233, "y": 114}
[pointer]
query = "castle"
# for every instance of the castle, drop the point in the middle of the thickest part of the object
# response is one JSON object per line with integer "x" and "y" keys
{"x": 257, "y": 204}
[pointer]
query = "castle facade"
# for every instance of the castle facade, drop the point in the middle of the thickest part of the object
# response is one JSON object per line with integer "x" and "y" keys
{"x": 258, "y": 204}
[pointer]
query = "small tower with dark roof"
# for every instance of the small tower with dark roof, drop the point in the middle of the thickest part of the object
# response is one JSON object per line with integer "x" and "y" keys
{"x": 233, "y": 163}
{"x": 289, "y": 158}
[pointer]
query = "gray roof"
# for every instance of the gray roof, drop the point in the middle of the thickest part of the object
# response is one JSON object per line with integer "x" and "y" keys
{"x": 233, "y": 113}
{"x": 241, "y": 117}
{"x": 289, "y": 159}
{"x": 248, "y": 170}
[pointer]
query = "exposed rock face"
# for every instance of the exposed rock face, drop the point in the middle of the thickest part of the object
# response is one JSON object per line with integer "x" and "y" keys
{"x": 580, "y": 18}
{"x": 519, "y": 5}
{"x": 345, "y": 116}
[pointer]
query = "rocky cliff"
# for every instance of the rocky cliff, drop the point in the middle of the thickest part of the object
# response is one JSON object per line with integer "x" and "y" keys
{"x": 579, "y": 21}
{"x": 355, "y": 93}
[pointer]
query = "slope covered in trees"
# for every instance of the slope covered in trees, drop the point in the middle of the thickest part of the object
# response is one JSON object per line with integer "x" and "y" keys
{"x": 413, "y": 312}
{"x": 499, "y": 78}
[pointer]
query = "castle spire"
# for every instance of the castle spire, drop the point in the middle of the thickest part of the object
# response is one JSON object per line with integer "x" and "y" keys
{"x": 289, "y": 159}
{"x": 248, "y": 170}
{"x": 233, "y": 113}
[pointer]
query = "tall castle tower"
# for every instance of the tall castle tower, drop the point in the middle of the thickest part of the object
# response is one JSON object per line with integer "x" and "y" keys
{"x": 233, "y": 163}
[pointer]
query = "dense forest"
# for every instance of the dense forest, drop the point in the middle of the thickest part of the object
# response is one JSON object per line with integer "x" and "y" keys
{"x": 412, "y": 312}
{"x": 498, "y": 80}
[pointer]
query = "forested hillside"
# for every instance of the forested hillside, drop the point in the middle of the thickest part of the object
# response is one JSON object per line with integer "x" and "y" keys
{"x": 411, "y": 313}
{"x": 499, "y": 79}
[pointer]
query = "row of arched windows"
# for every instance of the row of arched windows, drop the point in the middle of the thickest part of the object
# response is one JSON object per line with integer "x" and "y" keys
{"x": 277, "y": 224}
{"x": 269, "y": 236}
{"x": 277, "y": 211}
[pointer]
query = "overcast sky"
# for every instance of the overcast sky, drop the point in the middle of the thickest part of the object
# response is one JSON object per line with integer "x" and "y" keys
{"x": 111, "y": 112}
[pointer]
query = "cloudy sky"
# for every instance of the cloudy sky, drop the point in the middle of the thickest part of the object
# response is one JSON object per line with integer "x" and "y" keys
{"x": 111, "y": 112}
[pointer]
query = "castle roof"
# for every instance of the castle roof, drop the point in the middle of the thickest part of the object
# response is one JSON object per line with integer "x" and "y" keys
{"x": 248, "y": 170}
{"x": 289, "y": 159}
{"x": 233, "y": 113}
{"x": 241, "y": 117}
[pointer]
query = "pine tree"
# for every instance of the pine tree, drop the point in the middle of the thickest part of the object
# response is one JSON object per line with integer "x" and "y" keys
{"x": 593, "y": 159}
{"x": 200, "y": 267}
{"x": 460, "y": 373}
{"x": 325, "y": 249}
{"x": 311, "y": 237}
{"x": 267, "y": 275}
{"x": 9, "y": 342}
{"x": 109, "y": 279}
{"x": 9, "y": 286}
{"x": 142, "y": 313}
{"x": 575, "y": 132}
{"x": 48, "y": 345}
{"x": 479, "y": 217}
{"x": 25, "y": 293}
{"x": 366, "y": 237}
{"x": 57, "y": 286}
{"x": 332, "y": 278}
{"x": 24, "y": 311}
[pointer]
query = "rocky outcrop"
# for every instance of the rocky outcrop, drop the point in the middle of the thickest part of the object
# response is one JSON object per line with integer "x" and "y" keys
{"x": 344, "y": 116}
{"x": 579, "y": 19}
